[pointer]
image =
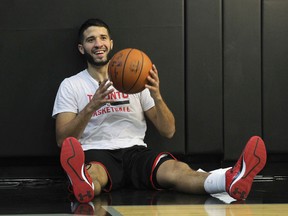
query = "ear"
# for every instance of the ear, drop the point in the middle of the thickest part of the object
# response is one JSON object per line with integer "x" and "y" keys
{"x": 80, "y": 48}
{"x": 111, "y": 44}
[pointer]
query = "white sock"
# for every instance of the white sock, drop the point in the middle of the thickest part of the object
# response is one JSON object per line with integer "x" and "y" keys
{"x": 215, "y": 183}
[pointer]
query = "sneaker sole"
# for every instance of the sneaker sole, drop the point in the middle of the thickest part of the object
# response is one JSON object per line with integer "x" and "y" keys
{"x": 72, "y": 160}
{"x": 253, "y": 161}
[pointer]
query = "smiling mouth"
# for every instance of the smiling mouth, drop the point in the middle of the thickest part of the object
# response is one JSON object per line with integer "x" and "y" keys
{"x": 98, "y": 52}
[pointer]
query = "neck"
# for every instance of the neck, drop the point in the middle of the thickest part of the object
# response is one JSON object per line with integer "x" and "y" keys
{"x": 99, "y": 73}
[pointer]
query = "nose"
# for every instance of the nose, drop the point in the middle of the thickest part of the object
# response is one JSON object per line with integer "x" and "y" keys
{"x": 98, "y": 42}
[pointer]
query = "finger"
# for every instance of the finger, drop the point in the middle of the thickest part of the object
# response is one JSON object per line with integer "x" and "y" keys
{"x": 105, "y": 93}
{"x": 107, "y": 85}
{"x": 102, "y": 82}
{"x": 153, "y": 77}
{"x": 104, "y": 86}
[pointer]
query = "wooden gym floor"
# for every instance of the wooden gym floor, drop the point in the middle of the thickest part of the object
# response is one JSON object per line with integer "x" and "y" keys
{"x": 43, "y": 195}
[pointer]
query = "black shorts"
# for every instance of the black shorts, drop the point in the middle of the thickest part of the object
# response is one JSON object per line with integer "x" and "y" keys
{"x": 133, "y": 167}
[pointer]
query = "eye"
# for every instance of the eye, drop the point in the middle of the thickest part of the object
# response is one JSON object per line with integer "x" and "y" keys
{"x": 104, "y": 37}
{"x": 90, "y": 40}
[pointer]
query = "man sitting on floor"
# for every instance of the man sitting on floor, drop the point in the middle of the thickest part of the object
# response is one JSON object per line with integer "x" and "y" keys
{"x": 104, "y": 151}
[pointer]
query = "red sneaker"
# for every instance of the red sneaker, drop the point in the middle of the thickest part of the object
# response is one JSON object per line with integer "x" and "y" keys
{"x": 72, "y": 160}
{"x": 239, "y": 179}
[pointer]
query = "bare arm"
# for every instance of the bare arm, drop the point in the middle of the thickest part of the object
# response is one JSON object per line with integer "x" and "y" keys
{"x": 72, "y": 124}
{"x": 160, "y": 114}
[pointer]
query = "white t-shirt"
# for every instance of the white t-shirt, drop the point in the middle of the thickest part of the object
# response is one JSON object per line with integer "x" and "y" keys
{"x": 120, "y": 124}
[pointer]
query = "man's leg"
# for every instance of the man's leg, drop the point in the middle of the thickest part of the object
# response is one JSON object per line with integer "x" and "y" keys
{"x": 99, "y": 176}
{"x": 180, "y": 177}
{"x": 237, "y": 181}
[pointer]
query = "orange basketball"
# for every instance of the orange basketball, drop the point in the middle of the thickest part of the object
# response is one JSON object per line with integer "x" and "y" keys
{"x": 128, "y": 70}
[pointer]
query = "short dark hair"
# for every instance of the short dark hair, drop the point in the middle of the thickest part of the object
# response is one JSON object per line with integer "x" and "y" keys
{"x": 92, "y": 22}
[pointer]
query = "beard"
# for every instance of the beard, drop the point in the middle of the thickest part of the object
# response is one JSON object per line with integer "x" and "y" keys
{"x": 90, "y": 59}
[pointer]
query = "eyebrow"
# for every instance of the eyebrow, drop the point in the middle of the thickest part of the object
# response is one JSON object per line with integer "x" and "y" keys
{"x": 101, "y": 35}
{"x": 89, "y": 37}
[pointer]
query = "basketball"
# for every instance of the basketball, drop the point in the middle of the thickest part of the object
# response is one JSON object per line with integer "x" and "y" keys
{"x": 128, "y": 70}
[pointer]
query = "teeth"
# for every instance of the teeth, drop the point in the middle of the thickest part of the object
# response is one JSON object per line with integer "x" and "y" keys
{"x": 98, "y": 52}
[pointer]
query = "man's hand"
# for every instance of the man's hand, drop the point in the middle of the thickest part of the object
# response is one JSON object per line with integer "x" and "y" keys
{"x": 100, "y": 97}
{"x": 154, "y": 83}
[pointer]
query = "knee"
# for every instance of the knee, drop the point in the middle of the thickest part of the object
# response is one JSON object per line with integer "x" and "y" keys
{"x": 97, "y": 187}
{"x": 178, "y": 168}
{"x": 170, "y": 171}
{"x": 98, "y": 175}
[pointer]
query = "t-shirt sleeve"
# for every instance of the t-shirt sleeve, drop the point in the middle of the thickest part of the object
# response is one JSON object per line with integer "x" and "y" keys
{"x": 147, "y": 101}
{"x": 65, "y": 100}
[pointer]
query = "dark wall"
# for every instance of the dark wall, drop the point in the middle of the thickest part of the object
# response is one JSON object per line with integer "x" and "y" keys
{"x": 275, "y": 75}
{"x": 222, "y": 64}
{"x": 236, "y": 75}
{"x": 38, "y": 50}
{"x": 242, "y": 75}
{"x": 204, "y": 77}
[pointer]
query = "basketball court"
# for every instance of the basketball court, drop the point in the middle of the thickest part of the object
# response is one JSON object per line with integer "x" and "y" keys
{"x": 39, "y": 196}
